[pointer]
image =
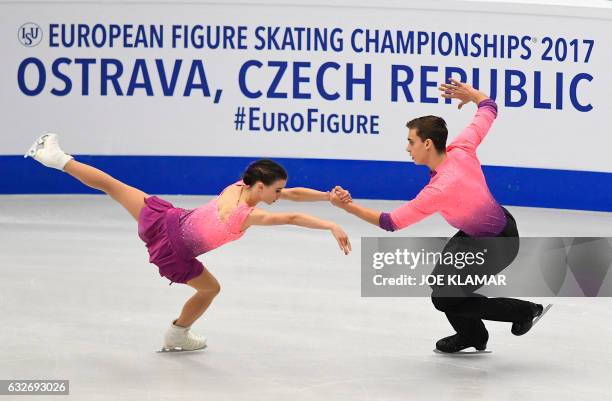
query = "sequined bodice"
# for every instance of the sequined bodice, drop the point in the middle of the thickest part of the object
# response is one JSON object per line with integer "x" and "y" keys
{"x": 202, "y": 229}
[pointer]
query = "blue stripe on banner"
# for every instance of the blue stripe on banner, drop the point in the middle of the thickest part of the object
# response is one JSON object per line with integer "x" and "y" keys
{"x": 515, "y": 186}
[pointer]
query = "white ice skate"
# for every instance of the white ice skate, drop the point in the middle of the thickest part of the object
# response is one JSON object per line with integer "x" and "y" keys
{"x": 181, "y": 339}
{"x": 46, "y": 150}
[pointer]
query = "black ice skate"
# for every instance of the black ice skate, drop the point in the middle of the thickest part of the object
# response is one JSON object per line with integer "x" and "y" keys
{"x": 456, "y": 345}
{"x": 520, "y": 328}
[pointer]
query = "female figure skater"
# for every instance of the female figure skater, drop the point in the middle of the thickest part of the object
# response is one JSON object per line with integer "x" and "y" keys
{"x": 174, "y": 236}
{"x": 458, "y": 191}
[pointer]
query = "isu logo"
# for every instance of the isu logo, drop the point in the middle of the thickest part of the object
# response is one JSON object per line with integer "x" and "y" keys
{"x": 30, "y": 34}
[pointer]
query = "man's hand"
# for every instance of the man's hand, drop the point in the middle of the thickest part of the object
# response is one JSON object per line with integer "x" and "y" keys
{"x": 334, "y": 198}
{"x": 462, "y": 91}
{"x": 342, "y": 194}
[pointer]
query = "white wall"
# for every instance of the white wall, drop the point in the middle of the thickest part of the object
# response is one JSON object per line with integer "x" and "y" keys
{"x": 525, "y": 136}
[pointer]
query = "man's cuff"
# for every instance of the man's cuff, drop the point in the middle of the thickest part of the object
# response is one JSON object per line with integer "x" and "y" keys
{"x": 386, "y": 223}
{"x": 489, "y": 104}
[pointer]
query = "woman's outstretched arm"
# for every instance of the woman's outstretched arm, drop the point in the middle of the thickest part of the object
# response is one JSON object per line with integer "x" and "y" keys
{"x": 263, "y": 218}
{"x": 300, "y": 194}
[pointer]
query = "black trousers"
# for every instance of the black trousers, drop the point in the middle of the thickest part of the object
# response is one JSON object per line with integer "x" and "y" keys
{"x": 466, "y": 309}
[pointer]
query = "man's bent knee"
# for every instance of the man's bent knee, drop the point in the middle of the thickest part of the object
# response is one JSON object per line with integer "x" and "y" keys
{"x": 443, "y": 304}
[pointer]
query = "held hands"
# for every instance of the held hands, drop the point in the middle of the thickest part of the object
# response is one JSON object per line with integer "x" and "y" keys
{"x": 340, "y": 196}
{"x": 462, "y": 91}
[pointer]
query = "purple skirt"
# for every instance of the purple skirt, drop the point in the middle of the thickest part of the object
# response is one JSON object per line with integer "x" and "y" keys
{"x": 158, "y": 227}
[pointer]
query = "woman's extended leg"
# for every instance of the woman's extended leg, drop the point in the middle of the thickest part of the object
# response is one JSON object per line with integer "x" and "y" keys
{"x": 47, "y": 151}
{"x": 132, "y": 199}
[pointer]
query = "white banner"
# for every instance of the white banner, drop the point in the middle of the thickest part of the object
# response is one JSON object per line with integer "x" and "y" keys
{"x": 300, "y": 81}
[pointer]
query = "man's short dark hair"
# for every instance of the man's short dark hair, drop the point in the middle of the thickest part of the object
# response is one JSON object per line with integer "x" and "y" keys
{"x": 431, "y": 127}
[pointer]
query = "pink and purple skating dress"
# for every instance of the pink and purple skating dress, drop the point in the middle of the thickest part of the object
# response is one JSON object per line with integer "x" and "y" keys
{"x": 175, "y": 236}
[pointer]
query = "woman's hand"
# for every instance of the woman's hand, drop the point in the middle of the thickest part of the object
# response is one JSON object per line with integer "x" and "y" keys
{"x": 335, "y": 200}
{"x": 342, "y": 194}
{"x": 342, "y": 238}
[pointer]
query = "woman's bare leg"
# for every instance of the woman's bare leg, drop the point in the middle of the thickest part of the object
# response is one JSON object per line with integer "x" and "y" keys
{"x": 207, "y": 288}
{"x": 132, "y": 199}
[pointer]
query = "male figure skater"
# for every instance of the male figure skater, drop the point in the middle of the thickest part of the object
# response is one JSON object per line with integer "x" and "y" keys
{"x": 458, "y": 191}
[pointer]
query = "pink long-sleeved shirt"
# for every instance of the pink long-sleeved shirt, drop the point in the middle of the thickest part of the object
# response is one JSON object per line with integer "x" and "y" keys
{"x": 457, "y": 188}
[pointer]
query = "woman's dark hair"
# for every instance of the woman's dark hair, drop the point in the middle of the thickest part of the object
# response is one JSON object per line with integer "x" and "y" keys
{"x": 431, "y": 127}
{"x": 265, "y": 170}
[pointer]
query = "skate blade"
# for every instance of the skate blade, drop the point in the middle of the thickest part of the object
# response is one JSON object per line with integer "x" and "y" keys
{"x": 537, "y": 319}
{"x": 37, "y": 145}
{"x": 165, "y": 350}
{"x": 462, "y": 353}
